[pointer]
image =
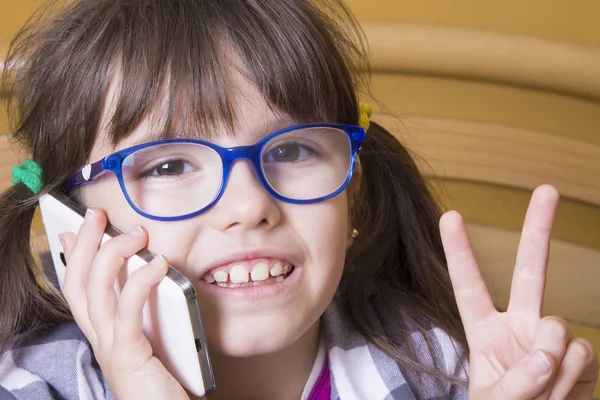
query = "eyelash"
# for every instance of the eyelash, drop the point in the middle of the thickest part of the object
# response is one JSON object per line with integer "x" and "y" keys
{"x": 312, "y": 152}
{"x": 147, "y": 173}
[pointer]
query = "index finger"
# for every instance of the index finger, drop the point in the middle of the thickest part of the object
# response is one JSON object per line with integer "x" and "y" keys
{"x": 472, "y": 296}
{"x": 79, "y": 256}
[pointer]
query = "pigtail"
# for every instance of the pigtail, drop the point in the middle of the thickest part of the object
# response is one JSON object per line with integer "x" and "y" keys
{"x": 28, "y": 301}
{"x": 396, "y": 280}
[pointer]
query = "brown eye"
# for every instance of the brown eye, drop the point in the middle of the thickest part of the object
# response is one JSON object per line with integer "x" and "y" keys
{"x": 288, "y": 153}
{"x": 170, "y": 168}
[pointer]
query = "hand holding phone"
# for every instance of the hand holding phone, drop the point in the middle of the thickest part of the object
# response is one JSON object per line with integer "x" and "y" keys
{"x": 170, "y": 318}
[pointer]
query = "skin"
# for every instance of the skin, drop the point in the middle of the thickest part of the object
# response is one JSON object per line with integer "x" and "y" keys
{"x": 264, "y": 347}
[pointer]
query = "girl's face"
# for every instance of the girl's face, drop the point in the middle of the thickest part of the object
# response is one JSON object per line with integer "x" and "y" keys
{"x": 246, "y": 227}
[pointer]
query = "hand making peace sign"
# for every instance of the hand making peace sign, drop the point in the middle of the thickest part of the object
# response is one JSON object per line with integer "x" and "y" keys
{"x": 518, "y": 354}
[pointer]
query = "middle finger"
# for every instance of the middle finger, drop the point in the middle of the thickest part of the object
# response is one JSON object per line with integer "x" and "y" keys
{"x": 529, "y": 278}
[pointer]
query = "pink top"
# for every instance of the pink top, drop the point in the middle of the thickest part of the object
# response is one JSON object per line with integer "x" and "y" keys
{"x": 322, "y": 388}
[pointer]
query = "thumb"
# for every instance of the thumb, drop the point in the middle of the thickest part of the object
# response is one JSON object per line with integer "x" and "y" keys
{"x": 524, "y": 380}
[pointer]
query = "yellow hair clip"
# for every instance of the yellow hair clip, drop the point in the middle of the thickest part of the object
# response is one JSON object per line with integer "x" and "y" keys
{"x": 364, "y": 115}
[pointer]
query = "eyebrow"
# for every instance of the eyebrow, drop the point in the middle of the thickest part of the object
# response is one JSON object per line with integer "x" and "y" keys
{"x": 150, "y": 136}
{"x": 273, "y": 125}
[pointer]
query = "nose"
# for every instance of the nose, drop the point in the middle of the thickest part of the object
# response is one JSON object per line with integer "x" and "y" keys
{"x": 245, "y": 204}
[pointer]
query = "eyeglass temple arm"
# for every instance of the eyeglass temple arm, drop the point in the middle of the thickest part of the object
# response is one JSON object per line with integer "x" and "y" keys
{"x": 87, "y": 174}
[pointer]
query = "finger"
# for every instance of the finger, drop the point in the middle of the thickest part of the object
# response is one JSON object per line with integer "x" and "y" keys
{"x": 473, "y": 299}
{"x": 102, "y": 298}
{"x": 73, "y": 292}
{"x": 67, "y": 241}
{"x": 524, "y": 380}
{"x": 79, "y": 252}
{"x": 577, "y": 373}
{"x": 129, "y": 317}
{"x": 529, "y": 278}
{"x": 552, "y": 337}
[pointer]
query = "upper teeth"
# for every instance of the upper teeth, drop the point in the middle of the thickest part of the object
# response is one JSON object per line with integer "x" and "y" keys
{"x": 238, "y": 273}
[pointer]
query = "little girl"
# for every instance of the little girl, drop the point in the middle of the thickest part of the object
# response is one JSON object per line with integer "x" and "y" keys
{"x": 321, "y": 265}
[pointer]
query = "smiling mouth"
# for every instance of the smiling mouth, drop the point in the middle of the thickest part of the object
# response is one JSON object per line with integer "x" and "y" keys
{"x": 259, "y": 272}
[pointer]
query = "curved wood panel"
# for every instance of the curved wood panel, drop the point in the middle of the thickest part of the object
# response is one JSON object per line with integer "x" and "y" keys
{"x": 505, "y": 207}
{"x": 564, "y": 20}
{"x": 471, "y": 100}
{"x": 502, "y": 155}
{"x": 483, "y": 55}
{"x": 573, "y": 273}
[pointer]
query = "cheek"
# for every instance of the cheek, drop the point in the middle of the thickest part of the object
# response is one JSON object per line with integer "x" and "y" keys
{"x": 106, "y": 195}
{"x": 168, "y": 239}
{"x": 174, "y": 240}
{"x": 323, "y": 228}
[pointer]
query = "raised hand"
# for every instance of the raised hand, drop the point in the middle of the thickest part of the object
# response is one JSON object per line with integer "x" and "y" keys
{"x": 518, "y": 354}
{"x": 113, "y": 325}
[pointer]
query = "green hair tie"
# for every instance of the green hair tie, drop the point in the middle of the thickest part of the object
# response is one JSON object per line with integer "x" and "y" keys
{"x": 29, "y": 173}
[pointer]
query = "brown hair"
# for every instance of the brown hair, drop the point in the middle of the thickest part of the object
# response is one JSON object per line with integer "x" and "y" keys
{"x": 303, "y": 57}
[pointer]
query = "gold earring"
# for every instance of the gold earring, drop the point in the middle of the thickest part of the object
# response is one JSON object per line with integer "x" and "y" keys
{"x": 354, "y": 233}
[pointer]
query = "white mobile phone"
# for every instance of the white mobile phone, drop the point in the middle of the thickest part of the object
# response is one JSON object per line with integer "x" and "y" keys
{"x": 171, "y": 317}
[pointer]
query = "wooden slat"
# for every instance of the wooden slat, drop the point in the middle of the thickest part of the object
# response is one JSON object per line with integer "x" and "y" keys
{"x": 489, "y": 56}
{"x": 573, "y": 273}
{"x": 490, "y": 153}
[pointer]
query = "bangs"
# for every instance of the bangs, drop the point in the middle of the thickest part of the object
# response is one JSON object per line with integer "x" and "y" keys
{"x": 180, "y": 56}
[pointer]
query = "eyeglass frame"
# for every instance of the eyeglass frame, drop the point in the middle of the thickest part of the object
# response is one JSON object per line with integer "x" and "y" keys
{"x": 114, "y": 162}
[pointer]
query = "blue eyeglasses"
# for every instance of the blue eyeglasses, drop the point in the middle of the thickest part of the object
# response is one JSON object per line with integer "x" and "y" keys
{"x": 175, "y": 179}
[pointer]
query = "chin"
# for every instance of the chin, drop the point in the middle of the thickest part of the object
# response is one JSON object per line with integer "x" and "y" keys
{"x": 252, "y": 337}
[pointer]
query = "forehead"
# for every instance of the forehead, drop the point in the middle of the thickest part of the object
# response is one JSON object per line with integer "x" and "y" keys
{"x": 253, "y": 118}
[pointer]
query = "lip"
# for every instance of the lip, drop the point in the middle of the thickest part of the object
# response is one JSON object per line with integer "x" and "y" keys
{"x": 250, "y": 255}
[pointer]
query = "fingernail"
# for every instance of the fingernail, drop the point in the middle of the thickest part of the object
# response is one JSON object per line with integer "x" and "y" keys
{"x": 137, "y": 231}
{"x": 161, "y": 257}
{"x": 538, "y": 364}
{"x": 62, "y": 240}
{"x": 89, "y": 214}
